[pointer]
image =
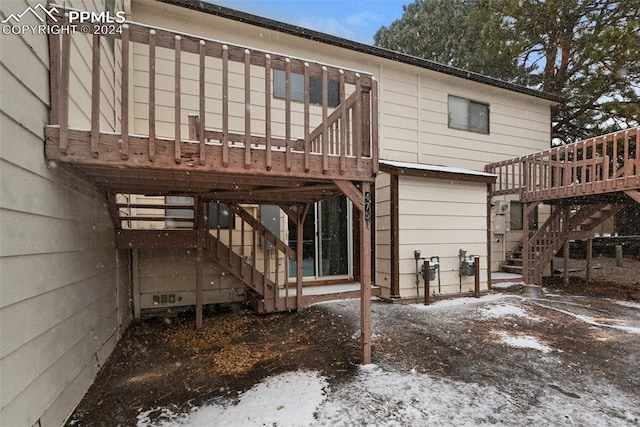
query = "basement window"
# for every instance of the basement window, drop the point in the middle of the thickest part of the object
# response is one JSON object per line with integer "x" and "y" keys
{"x": 297, "y": 88}
{"x": 468, "y": 115}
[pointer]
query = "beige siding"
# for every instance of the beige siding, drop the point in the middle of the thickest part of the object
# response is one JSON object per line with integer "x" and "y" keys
{"x": 413, "y": 101}
{"x": 383, "y": 235}
{"x": 439, "y": 217}
{"x": 63, "y": 286}
{"x": 173, "y": 271}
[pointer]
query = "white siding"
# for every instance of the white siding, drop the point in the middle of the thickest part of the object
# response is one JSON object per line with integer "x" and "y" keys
{"x": 63, "y": 286}
{"x": 439, "y": 217}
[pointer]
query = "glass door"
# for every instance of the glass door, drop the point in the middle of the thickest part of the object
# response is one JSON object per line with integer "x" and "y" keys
{"x": 326, "y": 247}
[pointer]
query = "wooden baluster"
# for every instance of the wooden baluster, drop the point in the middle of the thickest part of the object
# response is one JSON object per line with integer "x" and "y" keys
{"x": 247, "y": 109}
{"x": 124, "y": 119}
{"x": 343, "y": 125}
{"x": 230, "y": 229}
{"x": 287, "y": 114}
{"x": 54, "y": 78}
{"x": 265, "y": 259}
{"x": 627, "y": 169}
{"x": 357, "y": 124}
{"x": 637, "y": 168}
{"x": 95, "y": 95}
{"x": 267, "y": 108}
{"x": 374, "y": 124}
{"x": 177, "y": 106}
{"x": 307, "y": 97}
{"x": 325, "y": 115}
{"x": 242, "y": 243}
{"x": 254, "y": 253}
{"x": 202, "y": 95}
{"x": 225, "y": 106}
{"x": 65, "y": 68}
{"x": 152, "y": 95}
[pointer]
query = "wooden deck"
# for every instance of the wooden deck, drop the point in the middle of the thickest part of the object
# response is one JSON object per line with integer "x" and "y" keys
{"x": 585, "y": 182}
{"x": 597, "y": 166}
{"x": 287, "y": 151}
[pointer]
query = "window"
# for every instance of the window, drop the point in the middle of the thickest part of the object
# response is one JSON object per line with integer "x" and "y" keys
{"x": 516, "y": 216}
{"x": 297, "y": 88}
{"x": 219, "y": 214}
{"x": 468, "y": 115}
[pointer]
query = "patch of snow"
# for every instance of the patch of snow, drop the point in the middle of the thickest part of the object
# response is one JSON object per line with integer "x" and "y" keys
{"x": 525, "y": 341}
{"x": 287, "y": 399}
{"x": 505, "y": 310}
{"x": 591, "y": 321}
{"x": 629, "y": 304}
{"x": 456, "y": 302}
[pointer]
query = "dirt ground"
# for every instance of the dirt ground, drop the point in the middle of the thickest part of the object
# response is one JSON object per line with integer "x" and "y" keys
{"x": 164, "y": 362}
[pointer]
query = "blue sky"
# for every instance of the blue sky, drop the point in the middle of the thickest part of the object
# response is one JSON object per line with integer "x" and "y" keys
{"x": 352, "y": 19}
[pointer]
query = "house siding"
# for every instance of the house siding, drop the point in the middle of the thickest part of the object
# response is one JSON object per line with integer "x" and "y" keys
{"x": 64, "y": 288}
{"x": 439, "y": 217}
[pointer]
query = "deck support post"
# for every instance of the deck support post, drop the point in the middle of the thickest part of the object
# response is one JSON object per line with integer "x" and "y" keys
{"x": 301, "y": 214}
{"x": 365, "y": 274}
{"x": 589, "y": 258}
{"x": 565, "y": 266}
{"x": 201, "y": 238}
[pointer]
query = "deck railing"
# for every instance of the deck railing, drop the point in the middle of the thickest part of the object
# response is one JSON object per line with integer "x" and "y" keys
{"x": 241, "y": 123}
{"x": 604, "y": 164}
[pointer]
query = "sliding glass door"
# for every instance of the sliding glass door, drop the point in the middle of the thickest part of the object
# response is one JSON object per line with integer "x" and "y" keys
{"x": 326, "y": 247}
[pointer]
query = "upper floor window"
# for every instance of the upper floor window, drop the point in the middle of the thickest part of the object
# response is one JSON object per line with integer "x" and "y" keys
{"x": 297, "y": 88}
{"x": 468, "y": 115}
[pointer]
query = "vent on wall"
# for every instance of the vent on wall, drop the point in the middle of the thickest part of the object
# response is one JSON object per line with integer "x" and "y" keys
{"x": 164, "y": 299}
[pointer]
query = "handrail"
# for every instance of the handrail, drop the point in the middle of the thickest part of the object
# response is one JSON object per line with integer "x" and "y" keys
{"x": 598, "y": 165}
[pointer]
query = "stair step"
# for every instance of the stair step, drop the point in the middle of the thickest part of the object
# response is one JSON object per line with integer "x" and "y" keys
{"x": 517, "y": 269}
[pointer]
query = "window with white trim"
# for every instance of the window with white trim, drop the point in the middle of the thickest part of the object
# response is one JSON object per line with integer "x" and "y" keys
{"x": 468, "y": 115}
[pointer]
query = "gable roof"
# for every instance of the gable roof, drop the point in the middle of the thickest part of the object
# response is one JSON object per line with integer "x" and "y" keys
{"x": 247, "y": 18}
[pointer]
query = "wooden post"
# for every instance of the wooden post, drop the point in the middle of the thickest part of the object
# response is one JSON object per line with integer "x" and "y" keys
{"x": 365, "y": 274}
{"x": 526, "y": 246}
{"x": 589, "y": 258}
{"x": 287, "y": 114}
{"x": 299, "y": 242}
{"x": 307, "y": 96}
{"x": 427, "y": 281}
{"x": 343, "y": 125}
{"x": 200, "y": 232}
{"x": 565, "y": 265}
{"x": 619, "y": 256}
{"x": 476, "y": 276}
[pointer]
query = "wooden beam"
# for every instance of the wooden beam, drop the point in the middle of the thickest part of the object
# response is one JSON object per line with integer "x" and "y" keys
{"x": 202, "y": 104}
{"x": 177, "y": 94}
{"x": 349, "y": 189}
{"x": 394, "y": 235}
{"x": 634, "y": 194}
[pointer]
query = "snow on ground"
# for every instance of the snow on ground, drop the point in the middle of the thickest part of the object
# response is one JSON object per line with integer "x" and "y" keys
{"x": 525, "y": 341}
{"x": 505, "y": 310}
{"x": 506, "y": 285}
{"x": 382, "y": 398}
{"x": 279, "y": 400}
{"x": 391, "y": 397}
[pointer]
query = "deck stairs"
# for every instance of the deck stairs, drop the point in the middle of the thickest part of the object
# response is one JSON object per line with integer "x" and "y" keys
{"x": 549, "y": 238}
